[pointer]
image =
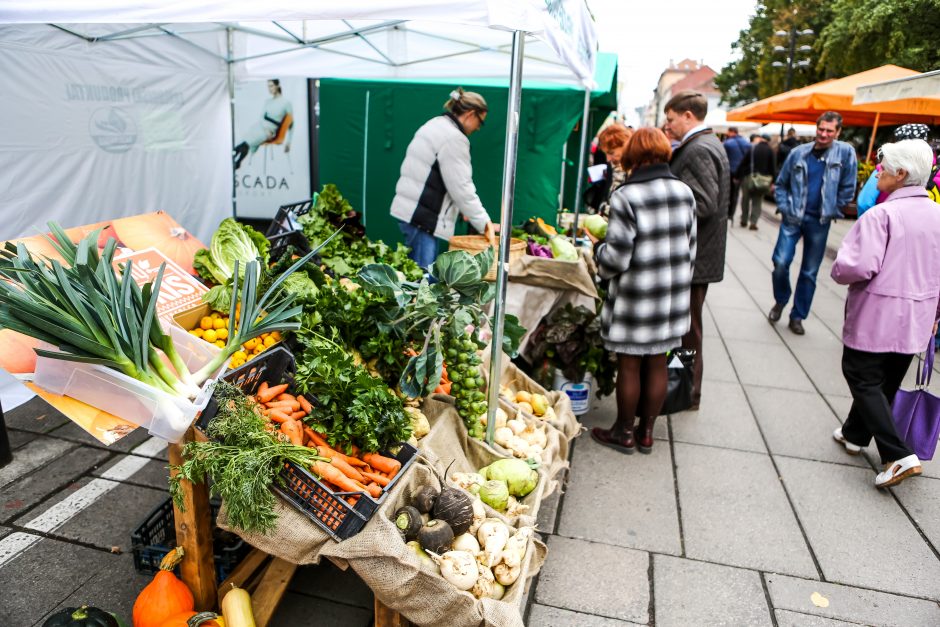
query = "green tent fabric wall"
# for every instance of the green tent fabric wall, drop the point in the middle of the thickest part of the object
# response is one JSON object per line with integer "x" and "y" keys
{"x": 397, "y": 109}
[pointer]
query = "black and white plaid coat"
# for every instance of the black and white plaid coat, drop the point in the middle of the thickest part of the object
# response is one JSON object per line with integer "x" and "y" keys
{"x": 648, "y": 255}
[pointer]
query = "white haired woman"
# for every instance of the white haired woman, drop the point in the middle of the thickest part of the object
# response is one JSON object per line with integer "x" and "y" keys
{"x": 890, "y": 260}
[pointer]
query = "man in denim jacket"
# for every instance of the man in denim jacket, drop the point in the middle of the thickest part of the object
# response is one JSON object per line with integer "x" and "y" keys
{"x": 816, "y": 182}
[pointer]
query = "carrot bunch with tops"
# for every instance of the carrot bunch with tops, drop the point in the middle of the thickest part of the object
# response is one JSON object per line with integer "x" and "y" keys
{"x": 359, "y": 472}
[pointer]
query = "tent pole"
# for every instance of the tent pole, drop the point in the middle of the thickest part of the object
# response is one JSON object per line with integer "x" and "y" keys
{"x": 365, "y": 157}
{"x": 505, "y": 233}
{"x": 580, "y": 174}
{"x": 230, "y": 39}
{"x": 561, "y": 185}
{"x": 871, "y": 142}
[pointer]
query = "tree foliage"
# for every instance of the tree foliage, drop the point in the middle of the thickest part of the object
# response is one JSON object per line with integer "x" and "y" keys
{"x": 851, "y": 36}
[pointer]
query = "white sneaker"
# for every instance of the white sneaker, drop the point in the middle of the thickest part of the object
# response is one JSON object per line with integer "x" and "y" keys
{"x": 851, "y": 449}
{"x": 896, "y": 472}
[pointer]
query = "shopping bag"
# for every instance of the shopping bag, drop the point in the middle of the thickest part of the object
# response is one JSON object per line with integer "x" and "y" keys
{"x": 679, "y": 383}
{"x": 917, "y": 412}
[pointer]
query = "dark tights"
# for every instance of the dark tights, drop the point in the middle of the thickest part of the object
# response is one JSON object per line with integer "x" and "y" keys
{"x": 641, "y": 389}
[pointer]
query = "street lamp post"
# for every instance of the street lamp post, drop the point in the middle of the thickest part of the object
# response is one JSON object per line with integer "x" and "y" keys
{"x": 791, "y": 51}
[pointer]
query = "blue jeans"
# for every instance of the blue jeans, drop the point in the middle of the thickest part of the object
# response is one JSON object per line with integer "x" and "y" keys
{"x": 423, "y": 245}
{"x": 814, "y": 237}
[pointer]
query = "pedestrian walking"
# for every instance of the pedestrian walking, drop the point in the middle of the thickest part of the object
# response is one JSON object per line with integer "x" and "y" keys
{"x": 648, "y": 256}
{"x": 738, "y": 149}
{"x": 756, "y": 174}
{"x": 890, "y": 261}
{"x": 787, "y": 146}
{"x": 701, "y": 163}
{"x": 815, "y": 183}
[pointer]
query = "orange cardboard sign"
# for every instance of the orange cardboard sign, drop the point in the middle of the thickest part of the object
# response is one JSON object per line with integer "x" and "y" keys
{"x": 179, "y": 291}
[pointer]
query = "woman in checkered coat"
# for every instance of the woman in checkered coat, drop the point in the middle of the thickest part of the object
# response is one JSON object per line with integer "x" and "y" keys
{"x": 648, "y": 256}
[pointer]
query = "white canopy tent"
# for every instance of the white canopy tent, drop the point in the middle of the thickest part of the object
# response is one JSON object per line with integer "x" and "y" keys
{"x": 177, "y": 62}
{"x": 717, "y": 119}
{"x": 802, "y": 130}
{"x": 921, "y": 86}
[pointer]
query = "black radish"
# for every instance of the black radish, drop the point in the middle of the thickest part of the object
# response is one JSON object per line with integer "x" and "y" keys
{"x": 455, "y": 507}
{"x": 424, "y": 499}
{"x": 436, "y": 536}
{"x": 408, "y": 520}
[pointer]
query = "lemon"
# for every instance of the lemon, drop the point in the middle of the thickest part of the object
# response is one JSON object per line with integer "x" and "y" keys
{"x": 258, "y": 349}
{"x": 240, "y": 355}
{"x": 221, "y": 334}
{"x": 250, "y": 344}
{"x": 209, "y": 335}
{"x": 276, "y": 335}
{"x": 220, "y": 343}
{"x": 269, "y": 342}
{"x": 197, "y": 331}
{"x": 215, "y": 315}
{"x": 219, "y": 323}
{"x": 206, "y": 323}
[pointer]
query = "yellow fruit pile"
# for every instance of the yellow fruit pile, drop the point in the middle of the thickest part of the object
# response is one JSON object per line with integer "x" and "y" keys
{"x": 214, "y": 329}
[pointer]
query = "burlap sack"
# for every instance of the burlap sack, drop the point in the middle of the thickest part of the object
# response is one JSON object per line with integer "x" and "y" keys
{"x": 554, "y": 274}
{"x": 403, "y": 583}
{"x": 448, "y": 441}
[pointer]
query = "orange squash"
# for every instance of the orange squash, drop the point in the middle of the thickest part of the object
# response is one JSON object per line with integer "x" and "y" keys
{"x": 165, "y": 596}
{"x": 194, "y": 619}
{"x": 160, "y": 231}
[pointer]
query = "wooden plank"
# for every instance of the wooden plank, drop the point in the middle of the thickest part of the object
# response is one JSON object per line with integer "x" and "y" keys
{"x": 242, "y": 573}
{"x": 273, "y": 585}
{"x": 194, "y": 534}
{"x": 387, "y": 617}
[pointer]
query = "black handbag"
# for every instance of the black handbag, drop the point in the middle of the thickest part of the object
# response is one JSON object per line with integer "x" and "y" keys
{"x": 679, "y": 385}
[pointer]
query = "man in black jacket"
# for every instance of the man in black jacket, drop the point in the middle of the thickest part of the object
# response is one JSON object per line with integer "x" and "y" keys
{"x": 756, "y": 174}
{"x": 700, "y": 162}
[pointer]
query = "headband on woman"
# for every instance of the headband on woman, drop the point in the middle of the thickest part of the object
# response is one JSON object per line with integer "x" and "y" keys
{"x": 455, "y": 95}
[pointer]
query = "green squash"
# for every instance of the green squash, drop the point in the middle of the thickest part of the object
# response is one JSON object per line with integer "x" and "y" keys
{"x": 83, "y": 616}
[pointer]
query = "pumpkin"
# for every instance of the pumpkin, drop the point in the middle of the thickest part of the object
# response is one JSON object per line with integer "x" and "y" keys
{"x": 83, "y": 616}
{"x": 194, "y": 619}
{"x": 160, "y": 231}
{"x": 165, "y": 596}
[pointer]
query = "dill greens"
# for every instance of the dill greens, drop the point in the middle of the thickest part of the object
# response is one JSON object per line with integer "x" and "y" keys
{"x": 243, "y": 460}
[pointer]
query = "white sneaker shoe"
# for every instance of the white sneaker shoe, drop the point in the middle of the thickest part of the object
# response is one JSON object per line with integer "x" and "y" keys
{"x": 851, "y": 449}
{"x": 896, "y": 472}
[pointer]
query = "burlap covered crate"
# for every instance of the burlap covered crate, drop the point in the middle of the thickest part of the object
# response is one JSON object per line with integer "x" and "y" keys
{"x": 402, "y": 582}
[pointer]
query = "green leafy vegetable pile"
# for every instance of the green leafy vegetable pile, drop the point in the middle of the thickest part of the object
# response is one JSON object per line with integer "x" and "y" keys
{"x": 346, "y": 255}
{"x": 447, "y": 315}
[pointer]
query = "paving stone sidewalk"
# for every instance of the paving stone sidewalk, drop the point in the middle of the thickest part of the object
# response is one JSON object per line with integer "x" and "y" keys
{"x": 746, "y": 512}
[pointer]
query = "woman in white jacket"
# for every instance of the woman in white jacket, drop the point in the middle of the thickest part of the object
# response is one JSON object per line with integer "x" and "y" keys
{"x": 436, "y": 181}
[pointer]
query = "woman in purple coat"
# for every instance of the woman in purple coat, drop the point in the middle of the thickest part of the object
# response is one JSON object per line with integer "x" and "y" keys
{"x": 890, "y": 260}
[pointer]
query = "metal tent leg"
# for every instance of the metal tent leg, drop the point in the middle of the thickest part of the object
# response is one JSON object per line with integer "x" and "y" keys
{"x": 505, "y": 233}
{"x": 580, "y": 180}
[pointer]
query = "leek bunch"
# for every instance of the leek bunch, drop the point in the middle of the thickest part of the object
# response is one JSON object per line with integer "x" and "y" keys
{"x": 96, "y": 315}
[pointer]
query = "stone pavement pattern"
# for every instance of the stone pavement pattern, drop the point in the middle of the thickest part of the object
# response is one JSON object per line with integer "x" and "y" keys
{"x": 744, "y": 510}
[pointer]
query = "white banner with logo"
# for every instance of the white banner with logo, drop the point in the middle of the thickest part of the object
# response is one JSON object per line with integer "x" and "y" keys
{"x": 90, "y": 135}
{"x": 271, "y": 156}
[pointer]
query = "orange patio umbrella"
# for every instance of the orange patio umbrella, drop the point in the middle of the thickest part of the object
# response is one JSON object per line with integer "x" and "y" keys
{"x": 807, "y": 103}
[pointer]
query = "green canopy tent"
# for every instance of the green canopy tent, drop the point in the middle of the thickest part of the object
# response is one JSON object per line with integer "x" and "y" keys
{"x": 365, "y": 127}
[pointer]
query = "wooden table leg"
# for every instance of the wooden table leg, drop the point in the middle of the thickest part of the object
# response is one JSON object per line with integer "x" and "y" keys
{"x": 387, "y": 617}
{"x": 194, "y": 534}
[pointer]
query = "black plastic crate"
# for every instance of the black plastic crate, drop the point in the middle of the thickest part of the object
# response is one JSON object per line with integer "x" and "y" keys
{"x": 285, "y": 219}
{"x": 327, "y": 508}
{"x": 281, "y": 243}
{"x": 156, "y": 536}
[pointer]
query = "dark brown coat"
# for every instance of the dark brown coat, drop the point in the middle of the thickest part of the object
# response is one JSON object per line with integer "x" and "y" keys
{"x": 701, "y": 163}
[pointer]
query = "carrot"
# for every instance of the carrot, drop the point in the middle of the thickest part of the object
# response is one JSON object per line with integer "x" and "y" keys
{"x": 339, "y": 462}
{"x": 298, "y": 415}
{"x": 262, "y": 388}
{"x": 278, "y": 416}
{"x": 294, "y": 431}
{"x": 282, "y": 405}
{"x": 379, "y": 479}
{"x": 286, "y": 397}
{"x": 271, "y": 392}
{"x": 385, "y": 464}
{"x": 305, "y": 404}
{"x": 374, "y": 490}
{"x": 336, "y": 477}
{"x": 316, "y": 437}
